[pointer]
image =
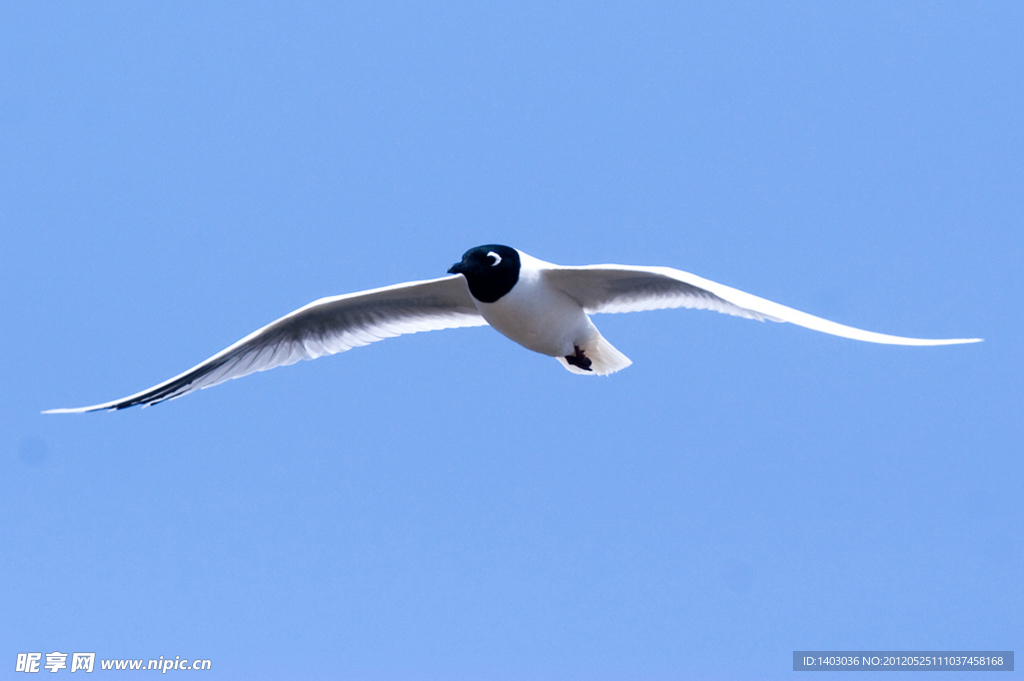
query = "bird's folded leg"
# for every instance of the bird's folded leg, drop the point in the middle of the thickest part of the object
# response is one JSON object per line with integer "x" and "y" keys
{"x": 579, "y": 359}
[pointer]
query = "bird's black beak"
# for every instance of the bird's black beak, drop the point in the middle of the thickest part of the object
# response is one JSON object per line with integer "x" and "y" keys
{"x": 455, "y": 269}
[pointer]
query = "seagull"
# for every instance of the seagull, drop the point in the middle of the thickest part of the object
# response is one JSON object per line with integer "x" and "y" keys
{"x": 542, "y": 306}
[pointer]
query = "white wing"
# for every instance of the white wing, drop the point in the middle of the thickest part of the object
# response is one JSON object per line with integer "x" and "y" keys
{"x": 622, "y": 288}
{"x": 324, "y": 327}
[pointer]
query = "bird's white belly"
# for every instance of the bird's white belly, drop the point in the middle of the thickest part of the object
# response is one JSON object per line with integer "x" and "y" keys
{"x": 539, "y": 317}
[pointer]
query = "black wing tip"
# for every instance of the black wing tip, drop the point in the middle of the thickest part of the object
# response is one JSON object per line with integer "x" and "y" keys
{"x": 156, "y": 396}
{"x": 76, "y": 410}
{"x": 143, "y": 403}
{"x": 86, "y": 410}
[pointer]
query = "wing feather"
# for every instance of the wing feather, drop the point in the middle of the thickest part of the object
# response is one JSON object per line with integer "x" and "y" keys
{"x": 324, "y": 327}
{"x": 622, "y": 288}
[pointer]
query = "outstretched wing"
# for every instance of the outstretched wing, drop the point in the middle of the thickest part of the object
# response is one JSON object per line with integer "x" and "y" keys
{"x": 622, "y": 288}
{"x": 324, "y": 327}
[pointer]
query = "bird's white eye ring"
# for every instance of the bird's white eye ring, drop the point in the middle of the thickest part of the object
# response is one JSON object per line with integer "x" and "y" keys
{"x": 497, "y": 258}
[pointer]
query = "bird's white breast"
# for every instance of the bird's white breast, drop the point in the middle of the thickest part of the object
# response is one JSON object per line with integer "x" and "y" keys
{"x": 538, "y": 316}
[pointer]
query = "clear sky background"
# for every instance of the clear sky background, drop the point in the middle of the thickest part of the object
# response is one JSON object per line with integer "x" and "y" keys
{"x": 450, "y": 505}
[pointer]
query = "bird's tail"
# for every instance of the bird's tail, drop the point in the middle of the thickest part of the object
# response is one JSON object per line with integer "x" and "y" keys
{"x": 604, "y": 358}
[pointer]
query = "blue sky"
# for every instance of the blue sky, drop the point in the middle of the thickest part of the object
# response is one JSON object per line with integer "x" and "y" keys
{"x": 450, "y": 505}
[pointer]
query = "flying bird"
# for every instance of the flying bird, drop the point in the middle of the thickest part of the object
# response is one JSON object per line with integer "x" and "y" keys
{"x": 542, "y": 306}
